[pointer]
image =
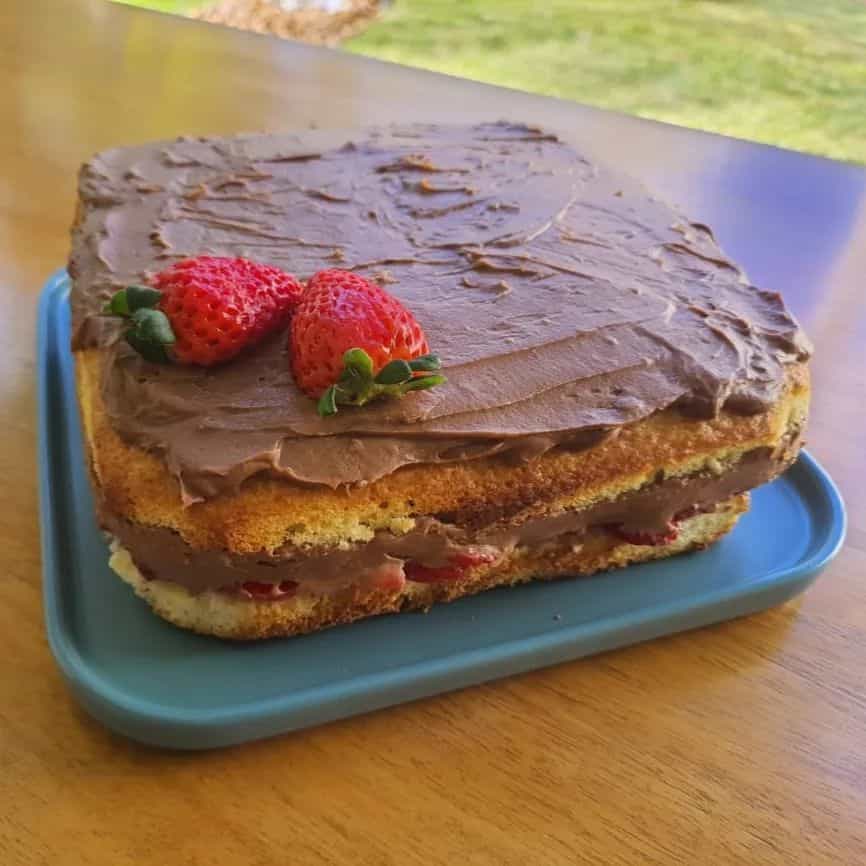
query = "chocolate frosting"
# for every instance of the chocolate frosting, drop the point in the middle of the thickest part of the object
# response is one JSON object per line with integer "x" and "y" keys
{"x": 562, "y": 298}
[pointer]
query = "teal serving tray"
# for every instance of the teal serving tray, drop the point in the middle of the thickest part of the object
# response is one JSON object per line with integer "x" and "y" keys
{"x": 167, "y": 687}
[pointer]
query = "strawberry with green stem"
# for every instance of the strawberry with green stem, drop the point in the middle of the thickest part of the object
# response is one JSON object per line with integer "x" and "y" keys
{"x": 352, "y": 342}
{"x": 205, "y": 310}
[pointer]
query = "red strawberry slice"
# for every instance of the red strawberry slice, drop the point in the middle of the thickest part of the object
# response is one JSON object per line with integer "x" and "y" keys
{"x": 259, "y": 591}
{"x": 206, "y": 310}
{"x": 352, "y": 342}
{"x": 649, "y": 539}
{"x": 387, "y": 578}
{"x": 457, "y": 568}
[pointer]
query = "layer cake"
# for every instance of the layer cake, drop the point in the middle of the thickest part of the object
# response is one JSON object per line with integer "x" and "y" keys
{"x": 615, "y": 384}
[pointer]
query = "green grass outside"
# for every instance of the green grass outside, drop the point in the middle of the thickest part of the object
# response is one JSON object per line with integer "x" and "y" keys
{"x": 786, "y": 72}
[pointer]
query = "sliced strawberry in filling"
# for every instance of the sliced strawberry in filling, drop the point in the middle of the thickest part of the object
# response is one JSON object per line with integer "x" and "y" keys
{"x": 267, "y": 591}
{"x": 387, "y": 578}
{"x": 648, "y": 539}
{"x": 456, "y": 569}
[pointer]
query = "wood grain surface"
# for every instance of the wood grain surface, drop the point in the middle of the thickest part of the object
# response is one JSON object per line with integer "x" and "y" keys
{"x": 739, "y": 744}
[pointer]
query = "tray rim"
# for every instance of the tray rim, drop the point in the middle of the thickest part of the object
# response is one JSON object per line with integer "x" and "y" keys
{"x": 181, "y": 727}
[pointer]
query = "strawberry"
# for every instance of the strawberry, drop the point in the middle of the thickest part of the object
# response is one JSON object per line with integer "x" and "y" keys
{"x": 206, "y": 310}
{"x": 258, "y": 591}
{"x": 457, "y": 568}
{"x": 651, "y": 539}
{"x": 387, "y": 578}
{"x": 352, "y": 342}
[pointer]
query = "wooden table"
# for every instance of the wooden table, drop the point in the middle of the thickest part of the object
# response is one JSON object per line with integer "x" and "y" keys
{"x": 744, "y": 743}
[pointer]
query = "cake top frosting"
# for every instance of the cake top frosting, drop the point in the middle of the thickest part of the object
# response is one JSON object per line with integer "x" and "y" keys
{"x": 563, "y": 299}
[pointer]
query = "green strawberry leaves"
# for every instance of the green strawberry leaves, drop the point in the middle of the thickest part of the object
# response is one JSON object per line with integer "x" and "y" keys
{"x": 132, "y": 298}
{"x": 358, "y": 385}
{"x": 148, "y": 329}
{"x": 327, "y": 404}
{"x": 394, "y": 373}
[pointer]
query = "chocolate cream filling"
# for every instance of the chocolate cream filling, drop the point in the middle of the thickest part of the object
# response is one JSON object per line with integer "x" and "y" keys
{"x": 163, "y": 554}
{"x": 563, "y": 299}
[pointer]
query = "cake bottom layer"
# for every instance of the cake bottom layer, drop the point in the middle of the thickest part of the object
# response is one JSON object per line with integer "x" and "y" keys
{"x": 242, "y": 618}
